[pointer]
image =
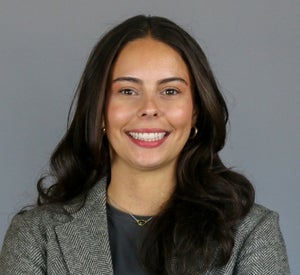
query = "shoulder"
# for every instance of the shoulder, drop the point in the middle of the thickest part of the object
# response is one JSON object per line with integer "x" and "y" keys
{"x": 32, "y": 234}
{"x": 24, "y": 247}
{"x": 259, "y": 247}
{"x": 42, "y": 217}
{"x": 37, "y": 218}
{"x": 257, "y": 215}
{"x": 260, "y": 226}
{"x": 29, "y": 231}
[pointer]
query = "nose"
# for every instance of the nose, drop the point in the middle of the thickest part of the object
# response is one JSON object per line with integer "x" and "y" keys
{"x": 148, "y": 107}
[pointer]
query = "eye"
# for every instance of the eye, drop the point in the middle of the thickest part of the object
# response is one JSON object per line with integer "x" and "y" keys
{"x": 170, "y": 91}
{"x": 128, "y": 92}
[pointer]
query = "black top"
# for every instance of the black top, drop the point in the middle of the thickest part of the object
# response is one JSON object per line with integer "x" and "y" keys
{"x": 125, "y": 237}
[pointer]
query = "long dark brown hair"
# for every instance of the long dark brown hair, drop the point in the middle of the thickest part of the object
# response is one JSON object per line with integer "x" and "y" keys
{"x": 196, "y": 227}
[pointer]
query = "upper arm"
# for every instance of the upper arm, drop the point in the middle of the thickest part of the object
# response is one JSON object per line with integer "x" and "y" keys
{"x": 264, "y": 252}
{"x": 22, "y": 251}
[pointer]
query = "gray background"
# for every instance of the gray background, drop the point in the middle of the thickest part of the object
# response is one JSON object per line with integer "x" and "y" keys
{"x": 253, "y": 47}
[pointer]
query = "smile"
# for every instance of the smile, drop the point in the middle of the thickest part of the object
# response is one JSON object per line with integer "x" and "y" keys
{"x": 149, "y": 137}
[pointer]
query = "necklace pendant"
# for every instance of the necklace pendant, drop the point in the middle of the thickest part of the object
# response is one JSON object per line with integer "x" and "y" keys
{"x": 141, "y": 222}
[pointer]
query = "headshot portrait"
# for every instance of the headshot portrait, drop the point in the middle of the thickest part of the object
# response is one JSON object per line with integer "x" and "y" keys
{"x": 141, "y": 139}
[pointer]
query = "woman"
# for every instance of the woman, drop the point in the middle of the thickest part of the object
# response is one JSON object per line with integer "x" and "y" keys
{"x": 139, "y": 187}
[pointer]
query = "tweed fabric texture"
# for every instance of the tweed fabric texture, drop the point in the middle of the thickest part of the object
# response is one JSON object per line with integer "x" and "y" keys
{"x": 64, "y": 240}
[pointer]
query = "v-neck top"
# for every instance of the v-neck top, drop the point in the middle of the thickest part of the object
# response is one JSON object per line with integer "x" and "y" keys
{"x": 125, "y": 237}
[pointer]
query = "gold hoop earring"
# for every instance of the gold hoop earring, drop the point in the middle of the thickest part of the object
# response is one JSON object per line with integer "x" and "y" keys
{"x": 195, "y": 132}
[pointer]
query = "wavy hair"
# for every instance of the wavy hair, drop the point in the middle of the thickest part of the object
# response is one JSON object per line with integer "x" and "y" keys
{"x": 196, "y": 227}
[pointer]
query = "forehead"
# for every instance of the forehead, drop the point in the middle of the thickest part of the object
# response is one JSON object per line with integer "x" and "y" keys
{"x": 149, "y": 57}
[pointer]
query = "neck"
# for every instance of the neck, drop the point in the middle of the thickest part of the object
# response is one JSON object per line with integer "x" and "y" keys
{"x": 141, "y": 193}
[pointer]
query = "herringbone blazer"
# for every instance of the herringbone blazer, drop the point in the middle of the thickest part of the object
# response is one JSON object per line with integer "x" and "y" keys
{"x": 64, "y": 240}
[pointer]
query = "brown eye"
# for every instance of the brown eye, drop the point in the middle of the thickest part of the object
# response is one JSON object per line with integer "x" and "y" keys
{"x": 128, "y": 92}
{"x": 170, "y": 92}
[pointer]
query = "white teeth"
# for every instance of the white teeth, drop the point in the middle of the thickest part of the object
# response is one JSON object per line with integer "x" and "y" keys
{"x": 147, "y": 136}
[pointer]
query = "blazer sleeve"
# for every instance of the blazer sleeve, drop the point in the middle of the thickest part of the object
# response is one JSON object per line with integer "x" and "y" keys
{"x": 22, "y": 251}
{"x": 264, "y": 251}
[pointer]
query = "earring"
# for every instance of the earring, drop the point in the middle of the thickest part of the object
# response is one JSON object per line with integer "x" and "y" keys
{"x": 103, "y": 130}
{"x": 195, "y": 132}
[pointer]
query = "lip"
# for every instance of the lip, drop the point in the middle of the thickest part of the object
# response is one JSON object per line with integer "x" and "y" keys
{"x": 148, "y": 137}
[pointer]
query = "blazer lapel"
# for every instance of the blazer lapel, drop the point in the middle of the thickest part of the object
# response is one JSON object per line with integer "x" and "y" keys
{"x": 84, "y": 240}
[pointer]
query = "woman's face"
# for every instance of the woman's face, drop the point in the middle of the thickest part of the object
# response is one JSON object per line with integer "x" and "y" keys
{"x": 150, "y": 106}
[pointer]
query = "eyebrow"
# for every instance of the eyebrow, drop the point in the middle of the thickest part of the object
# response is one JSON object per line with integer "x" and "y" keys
{"x": 139, "y": 81}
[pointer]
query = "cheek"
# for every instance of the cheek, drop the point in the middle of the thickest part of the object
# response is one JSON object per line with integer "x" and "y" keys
{"x": 117, "y": 115}
{"x": 181, "y": 115}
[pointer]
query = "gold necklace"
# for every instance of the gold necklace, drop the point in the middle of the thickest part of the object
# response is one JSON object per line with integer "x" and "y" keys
{"x": 139, "y": 222}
